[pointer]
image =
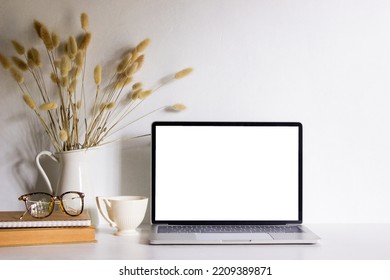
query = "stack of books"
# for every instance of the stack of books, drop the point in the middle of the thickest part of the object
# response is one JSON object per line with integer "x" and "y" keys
{"x": 58, "y": 228}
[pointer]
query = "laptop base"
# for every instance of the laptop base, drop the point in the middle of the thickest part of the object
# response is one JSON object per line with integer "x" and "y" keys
{"x": 304, "y": 237}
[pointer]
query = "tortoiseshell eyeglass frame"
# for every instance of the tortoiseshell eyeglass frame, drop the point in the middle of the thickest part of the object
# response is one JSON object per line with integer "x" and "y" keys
{"x": 54, "y": 200}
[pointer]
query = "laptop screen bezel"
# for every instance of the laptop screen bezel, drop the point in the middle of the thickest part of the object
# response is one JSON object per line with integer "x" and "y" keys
{"x": 224, "y": 222}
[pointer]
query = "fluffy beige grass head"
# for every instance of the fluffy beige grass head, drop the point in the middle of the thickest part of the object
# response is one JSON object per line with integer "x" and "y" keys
{"x": 65, "y": 65}
{"x": 97, "y": 74}
{"x": 34, "y": 57}
{"x": 18, "y": 77}
{"x": 29, "y": 102}
{"x": 63, "y": 135}
{"x": 37, "y": 27}
{"x": 178, "y": 107}
{"x": 72, "y": 86}
{"x": 18, "y": 47}
{"x": 110, "y": 106}
{"x": 72, "y": 50}
{"x": 143, "y": 45}
{"x": 48, "y": 106}
{"x": 137, "y": 86}
{"x": 126, "y": 60}
{"x": 183, "y": 73}
{"x": 145, "y": 94}
{"x": 85, "y": 41}
{"x": 79, "y": 60}
{"x": 84, "y": 21}
{"x": 46, "y": 38}
{"x": 56, "y": 39}
{"x": 5, "y": 62}
{"x": 132, "y": 69}
{"x": 20, "y": 63}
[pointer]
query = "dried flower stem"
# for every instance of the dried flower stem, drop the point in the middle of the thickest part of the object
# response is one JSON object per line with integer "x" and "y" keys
{"x": 60, "y": 115}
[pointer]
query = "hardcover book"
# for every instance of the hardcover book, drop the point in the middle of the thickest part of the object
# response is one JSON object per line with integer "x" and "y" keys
{"x": 43, "y": 236}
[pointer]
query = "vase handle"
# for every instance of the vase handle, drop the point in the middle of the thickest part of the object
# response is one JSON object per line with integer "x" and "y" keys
{"x": 43, "y": 173}
{"x": 105, "y": 216}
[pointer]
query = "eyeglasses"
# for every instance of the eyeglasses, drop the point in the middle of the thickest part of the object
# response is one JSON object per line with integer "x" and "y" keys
{"x": 41, "y": 204}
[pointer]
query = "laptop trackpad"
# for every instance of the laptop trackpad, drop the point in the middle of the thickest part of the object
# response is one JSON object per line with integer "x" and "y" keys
{"x": 233, "y": 236}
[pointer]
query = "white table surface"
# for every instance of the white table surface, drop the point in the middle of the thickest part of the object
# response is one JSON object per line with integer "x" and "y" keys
{"x": 339, "y": 241}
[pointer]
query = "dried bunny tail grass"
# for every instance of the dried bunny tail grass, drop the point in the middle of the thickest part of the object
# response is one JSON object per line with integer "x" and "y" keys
{"x": 132, "y": 69}
{"x": 64, "y": 81}
{"x": 124, "y": 63}
{"x": 72, "y": 50}
{"x": 123, "y": 82}
{"x": 5, "y": 62}
{"x": 63, "y": 135}
{"x": 18, "y": 47}
{"x": 29, "y": 102}
{"x": 56, "y": 39}
{"x": 143, "y": 45}
{"x": 102, "y": 106}
{"x": 177, "y": 107}
{"x": 86, "y": 40}
{"x": 97, "y": 74}
{"x": 34, "y": 56}
{"x": 144, "y": 94}
{"x": 72, "y": 87}
{"x": 136, "y": 93}
{"x": 65, "y": 47}
{"x": 20, "y": 63}
{"x": 183, "y": 73}
{"x": 30, "y": 63}
{"x": 78, "y": 104}
{"x": 37, "y": 26}
{"x": 77, "y": 72}
{"x": 84, "y": 21}
{"x": 110, "y": 106}
{"x": 79, "y": 60}
{"x": 137, "y": 86}
{"x": 57, "y": 63}
{"x": 18, "y": 77}
{"x": 74, "y": 73}
{"x": 54, "y": 78}
{"x": 140, "y": 61}
{"x": 65, "y": 65}
{"x": 48, "y": 106}
{"x": 135, "y": 55}
{"x": 46, "y": 38}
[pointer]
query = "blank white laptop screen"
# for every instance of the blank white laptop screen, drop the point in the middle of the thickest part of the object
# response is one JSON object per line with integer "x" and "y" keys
{"x": 226, "y": 172}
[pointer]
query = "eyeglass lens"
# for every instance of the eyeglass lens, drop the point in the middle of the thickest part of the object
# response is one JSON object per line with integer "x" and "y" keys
{"x": 40, "y": 205}
{"x": 72, "y": 203}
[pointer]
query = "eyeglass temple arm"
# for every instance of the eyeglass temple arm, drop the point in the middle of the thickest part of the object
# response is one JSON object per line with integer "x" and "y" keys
{"x": 21, "y": 217}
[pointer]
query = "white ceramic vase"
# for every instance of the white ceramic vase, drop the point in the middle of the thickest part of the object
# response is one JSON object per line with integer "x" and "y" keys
{"x": 83, "y": 170}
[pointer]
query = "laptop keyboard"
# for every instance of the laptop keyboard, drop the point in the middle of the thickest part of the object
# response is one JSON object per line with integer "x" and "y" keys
{"x": 228, "y": 229}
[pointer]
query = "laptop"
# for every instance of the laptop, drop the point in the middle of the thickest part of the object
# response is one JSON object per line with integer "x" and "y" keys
{"x": 227, "y": 183}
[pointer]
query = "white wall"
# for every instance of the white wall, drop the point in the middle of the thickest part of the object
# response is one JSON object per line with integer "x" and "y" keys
{"x": 324, "y": 63}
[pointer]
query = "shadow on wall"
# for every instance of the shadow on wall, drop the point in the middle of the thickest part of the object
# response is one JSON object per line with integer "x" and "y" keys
{"x": 21, "y": 140}
{"x": 135, "y": 158}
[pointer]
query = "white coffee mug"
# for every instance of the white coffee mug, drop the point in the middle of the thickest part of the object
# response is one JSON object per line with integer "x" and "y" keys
{"x": 124, "y": 212}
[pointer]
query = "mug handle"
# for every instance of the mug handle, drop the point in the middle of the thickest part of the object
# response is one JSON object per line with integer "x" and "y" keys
{"x": 105, "y": 216}
{"x": 43, "y": 173}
